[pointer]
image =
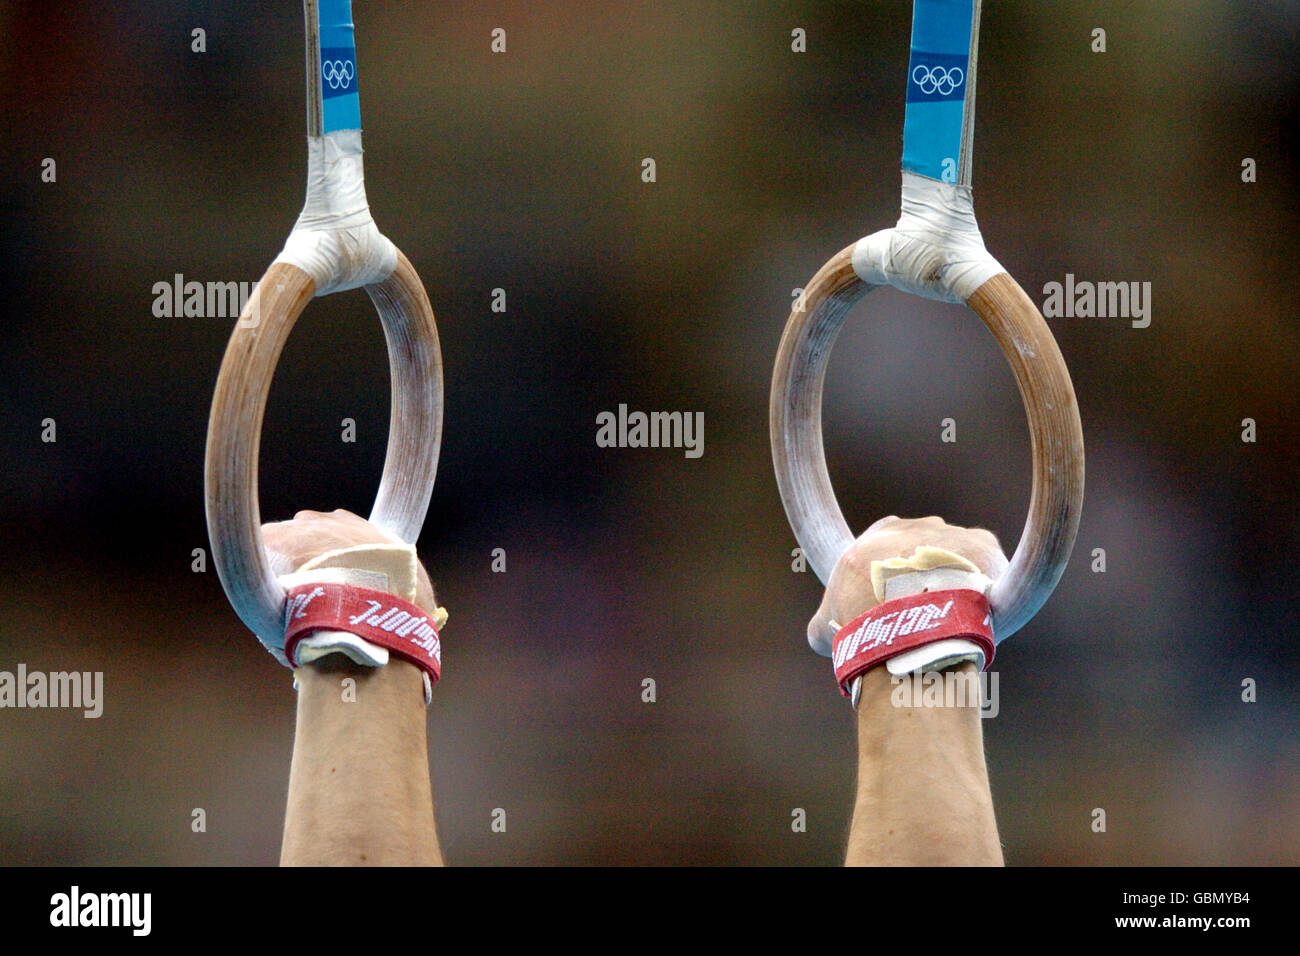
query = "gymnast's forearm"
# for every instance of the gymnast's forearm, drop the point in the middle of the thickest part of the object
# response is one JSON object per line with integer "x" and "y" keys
{"x": 359, "y": 789}
{"x": 923, "y": 789}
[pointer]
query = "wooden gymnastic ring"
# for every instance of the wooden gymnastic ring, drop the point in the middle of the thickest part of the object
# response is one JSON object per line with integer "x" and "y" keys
{"x": 235, "y": 429}
{"x": 1055, "y": 433}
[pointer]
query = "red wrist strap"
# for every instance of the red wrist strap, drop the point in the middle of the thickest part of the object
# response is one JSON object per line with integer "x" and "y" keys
{"x": 380, "y": 618}
{"x": 889, "y": 629}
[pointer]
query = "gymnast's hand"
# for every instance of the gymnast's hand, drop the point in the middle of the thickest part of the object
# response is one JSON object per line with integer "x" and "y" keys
{"x": 851, "y": 591}
{"x": 291, "y": 544}
{"x": 359, "y": 787}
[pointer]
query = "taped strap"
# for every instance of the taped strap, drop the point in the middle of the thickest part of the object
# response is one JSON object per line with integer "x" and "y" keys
{"x": 936, "y": 250}
{"x": 403, "y": 628}
{"x": 905, "y": 623}
{"x": 335, "y": 240}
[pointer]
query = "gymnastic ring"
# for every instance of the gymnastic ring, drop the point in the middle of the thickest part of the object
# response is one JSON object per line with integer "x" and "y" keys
{"x": 239, "y": 404}
{"x": 1055, "y": 433}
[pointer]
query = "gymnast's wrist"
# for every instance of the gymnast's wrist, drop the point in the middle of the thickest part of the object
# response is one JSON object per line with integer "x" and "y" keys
{"x": 883, "y": 696}
{"x": 344, "y": 679}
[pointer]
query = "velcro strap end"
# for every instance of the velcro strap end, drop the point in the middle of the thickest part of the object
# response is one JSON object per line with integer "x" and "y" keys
{"x": 405, "y": 629}
{"x": 906, "y": 623}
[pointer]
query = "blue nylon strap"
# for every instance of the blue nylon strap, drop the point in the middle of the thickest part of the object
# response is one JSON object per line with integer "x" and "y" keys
{"x": 939, "y": 72}
{"x": 338, "y": 62}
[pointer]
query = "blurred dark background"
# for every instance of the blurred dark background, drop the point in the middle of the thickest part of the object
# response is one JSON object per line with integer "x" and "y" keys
{"x": 522, "y": 171}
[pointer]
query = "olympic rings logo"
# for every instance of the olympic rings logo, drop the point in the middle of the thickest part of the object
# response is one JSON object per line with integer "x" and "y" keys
{"x": 936, "y": 79}
{"x": 338, "y": 73}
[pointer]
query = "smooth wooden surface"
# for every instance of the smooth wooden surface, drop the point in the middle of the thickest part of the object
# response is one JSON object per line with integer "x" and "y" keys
{"x": 795, "y": 411}
{"x": 1056, "y": 435}
{"x": 1056, "y": 451}
{"x": 235, "y": 428}
{"x": 415, "y": 419}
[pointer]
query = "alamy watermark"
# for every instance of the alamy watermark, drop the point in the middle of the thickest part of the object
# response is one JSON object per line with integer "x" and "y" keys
{"x": 948, "y": 688}
{"x": 64, "y": 689}
{"x": 1084, "y": 299}
{"x": 651, "y": 430}
{"x": 202, "y": 300}
{"x": 128, "y": 910}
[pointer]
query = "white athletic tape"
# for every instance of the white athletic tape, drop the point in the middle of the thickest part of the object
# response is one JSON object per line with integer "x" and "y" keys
{"x": 942, "y": 569}
{"x": 335, "y": 240}
{"x": 935, "y": 251}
